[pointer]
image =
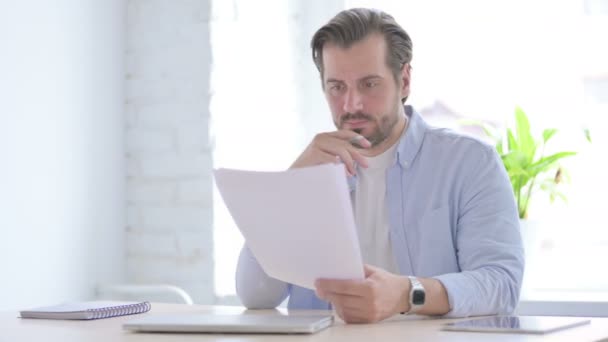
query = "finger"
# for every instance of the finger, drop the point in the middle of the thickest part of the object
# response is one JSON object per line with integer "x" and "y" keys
{"x": 348, "y": 153}
{"x": 340, "y": 150}
{"x": 339, "y": 313}
{"x": 346, "y": 158}
{"x": 356, "y": 316}
{"x": 358, "y": 157}
{"x": 346, "y": 170}
{"x": 332, "y": 143}
{"x": 352, "y": 309}
{"x": 360, "y": 141}
{"x": 351, "y": 137}
{"x": 347, "y": 318}
{"x": 356, "y": 309}
{"x": 348, "y": 315}
{"x": 348, "y": 302}
{"x": 340, "y": 286}
{"x": 369, "y": 270}
{"x": 327, "y": 158}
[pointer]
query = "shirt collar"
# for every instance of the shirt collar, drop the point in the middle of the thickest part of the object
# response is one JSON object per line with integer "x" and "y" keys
{"x": 411, "y": 138}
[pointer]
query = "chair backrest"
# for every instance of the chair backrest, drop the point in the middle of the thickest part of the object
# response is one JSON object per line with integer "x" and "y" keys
{"x": 160, "y": 293}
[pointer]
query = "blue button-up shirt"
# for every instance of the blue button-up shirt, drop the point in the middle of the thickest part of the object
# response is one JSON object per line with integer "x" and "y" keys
{"x": 452, "y": 217}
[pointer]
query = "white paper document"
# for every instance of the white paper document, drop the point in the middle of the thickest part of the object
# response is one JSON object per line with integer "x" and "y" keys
{"x": 298, "y": 223}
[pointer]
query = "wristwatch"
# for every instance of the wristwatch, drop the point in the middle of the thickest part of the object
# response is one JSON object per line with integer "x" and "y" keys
{"x": 417, "y": 295}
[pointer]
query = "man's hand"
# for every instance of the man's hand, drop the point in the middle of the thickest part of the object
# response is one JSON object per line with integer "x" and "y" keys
{"x": 380, "y": 295}
{"x": 334, "y": 147}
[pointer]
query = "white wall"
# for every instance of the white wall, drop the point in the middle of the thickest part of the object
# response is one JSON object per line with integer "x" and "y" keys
{"x": 169, "y": 228}
{"x": 61, "y": 149}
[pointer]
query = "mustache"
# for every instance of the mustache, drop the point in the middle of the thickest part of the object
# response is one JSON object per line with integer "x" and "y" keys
{"x": 355, "y": 116}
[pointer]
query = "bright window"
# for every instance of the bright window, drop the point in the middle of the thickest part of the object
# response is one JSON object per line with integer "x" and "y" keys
{"x": 474, "y": 59}
{"x": 254, "y": 121}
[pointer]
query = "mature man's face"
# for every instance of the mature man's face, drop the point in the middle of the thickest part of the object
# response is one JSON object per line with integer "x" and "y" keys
{"x": 361, "y": 90}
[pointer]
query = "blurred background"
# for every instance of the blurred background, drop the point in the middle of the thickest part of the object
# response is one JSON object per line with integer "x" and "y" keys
{"x": 114, "y": 113}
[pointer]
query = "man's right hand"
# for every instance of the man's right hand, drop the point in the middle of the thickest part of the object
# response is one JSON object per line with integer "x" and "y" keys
{"x": 335, "y": 147}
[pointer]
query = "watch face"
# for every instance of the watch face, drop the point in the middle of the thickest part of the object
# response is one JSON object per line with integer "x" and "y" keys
{"x": 418, "y": 297}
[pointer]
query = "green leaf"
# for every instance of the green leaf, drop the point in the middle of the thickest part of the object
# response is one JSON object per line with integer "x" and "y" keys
{"x": 515, "y": 160}
{"x": 544, "y": 164}
{"x": 524, "y": 136}
{"x": 511, "y": 142}
{"x": 587, "y": 134}
{"x": 523, "y": 158}
{"x": 499, "y": 147}
{"x": 562, "y": 196}
{"x": 548, "y": 133}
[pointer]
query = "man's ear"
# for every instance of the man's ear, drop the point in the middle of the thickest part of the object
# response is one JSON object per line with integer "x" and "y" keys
{"x": 405, "y": 80}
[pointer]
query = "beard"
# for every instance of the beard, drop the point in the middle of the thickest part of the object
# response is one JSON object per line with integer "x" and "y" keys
{"x": 385, "y": 124}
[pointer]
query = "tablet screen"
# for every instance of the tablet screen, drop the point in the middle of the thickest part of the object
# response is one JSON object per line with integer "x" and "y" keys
{"x": 517, "y": 324}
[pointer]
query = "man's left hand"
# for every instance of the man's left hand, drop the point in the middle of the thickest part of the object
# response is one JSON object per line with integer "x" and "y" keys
{"x": 380, "y": 295}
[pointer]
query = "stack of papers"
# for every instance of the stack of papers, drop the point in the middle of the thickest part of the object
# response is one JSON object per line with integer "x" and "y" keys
{"x": 298, "y": 223}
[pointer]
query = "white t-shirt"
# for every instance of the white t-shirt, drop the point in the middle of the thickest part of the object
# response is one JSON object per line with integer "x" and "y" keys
{"x": 371, "y": 211}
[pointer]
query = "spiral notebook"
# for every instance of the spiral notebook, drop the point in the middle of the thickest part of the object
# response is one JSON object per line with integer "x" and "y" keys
{"x": 87, "y": 310}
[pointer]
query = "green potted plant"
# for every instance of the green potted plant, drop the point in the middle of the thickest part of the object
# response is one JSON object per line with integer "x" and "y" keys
{"x": 530, "y": 169}
{"x": 524, "y": 158}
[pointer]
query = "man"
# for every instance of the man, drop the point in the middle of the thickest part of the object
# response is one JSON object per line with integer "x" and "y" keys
{"x": 435, "y": 212}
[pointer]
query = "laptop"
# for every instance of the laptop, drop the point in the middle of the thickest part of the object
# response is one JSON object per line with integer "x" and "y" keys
{"x": 517, "y": 324}
{"x": 237, "y": 324}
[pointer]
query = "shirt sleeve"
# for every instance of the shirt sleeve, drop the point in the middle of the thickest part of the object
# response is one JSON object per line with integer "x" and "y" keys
{"x": 489, "y": 246}
{"x": 254, "y": 287}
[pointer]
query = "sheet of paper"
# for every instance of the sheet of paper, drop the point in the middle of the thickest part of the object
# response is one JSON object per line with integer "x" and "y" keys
{"x": 298, "y": 223}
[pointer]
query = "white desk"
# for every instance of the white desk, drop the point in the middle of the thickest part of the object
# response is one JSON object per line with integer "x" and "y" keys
{"x": 400, "y": 328}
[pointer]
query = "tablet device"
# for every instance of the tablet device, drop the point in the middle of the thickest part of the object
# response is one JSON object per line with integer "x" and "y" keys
{"x": 517, "y": 324}
{"x": 246, "y": 324}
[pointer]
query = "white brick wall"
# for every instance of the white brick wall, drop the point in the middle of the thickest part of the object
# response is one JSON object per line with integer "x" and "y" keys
{"x": 169, "y": 163}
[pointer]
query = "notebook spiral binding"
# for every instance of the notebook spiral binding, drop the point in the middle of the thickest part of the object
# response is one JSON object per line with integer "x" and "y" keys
{"x": 121, "y": 310}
